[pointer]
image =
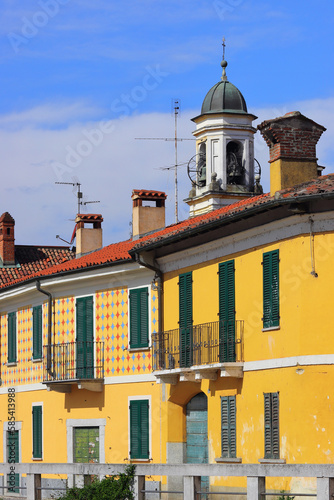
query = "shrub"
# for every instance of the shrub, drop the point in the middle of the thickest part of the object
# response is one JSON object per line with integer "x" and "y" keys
{"x": 111, "y": 488}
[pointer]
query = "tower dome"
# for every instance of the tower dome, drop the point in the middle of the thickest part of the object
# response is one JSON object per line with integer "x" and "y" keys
{"x": 224, "y": 97}
{"x": 222, "y": 170}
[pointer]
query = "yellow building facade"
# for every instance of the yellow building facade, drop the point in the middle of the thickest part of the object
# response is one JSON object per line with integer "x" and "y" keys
{"x": 208, "y": 341}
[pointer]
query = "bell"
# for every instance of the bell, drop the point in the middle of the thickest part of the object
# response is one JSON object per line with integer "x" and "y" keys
{"x": 202, "y": 174}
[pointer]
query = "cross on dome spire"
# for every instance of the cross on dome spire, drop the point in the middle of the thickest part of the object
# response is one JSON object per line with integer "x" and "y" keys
{"x": 224, "y": 63}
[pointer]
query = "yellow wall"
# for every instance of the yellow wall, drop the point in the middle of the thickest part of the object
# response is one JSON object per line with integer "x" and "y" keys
{"x": 111, "y": 327}
{"x": 306, "y": 326}
{"x": 288, "y": 173}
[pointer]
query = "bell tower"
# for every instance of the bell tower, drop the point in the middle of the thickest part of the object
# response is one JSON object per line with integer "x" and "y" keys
{"x": 222, "y": 170}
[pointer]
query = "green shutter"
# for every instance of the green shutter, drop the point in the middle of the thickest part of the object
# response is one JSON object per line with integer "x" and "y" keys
{"x": 228, "y": 419}
{"x": 271, "y": 425}
{"x": 139, "y": 318}
{"x": 271, "y": 289}
{"x": 37, "y": 332}
{"x": 11, "y": 338}
{"x": 37, "y": 432}
{"x": 139, "y": 429}
{"x": 85, "y": 338}
{"x": 185, "y": 319}
{"x": 226, "y": 312}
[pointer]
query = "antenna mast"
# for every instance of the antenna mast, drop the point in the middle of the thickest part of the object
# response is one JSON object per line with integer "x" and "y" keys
{"x": 176, "y": 112}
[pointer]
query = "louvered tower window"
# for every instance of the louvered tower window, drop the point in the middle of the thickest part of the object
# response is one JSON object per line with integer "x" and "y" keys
{"x": 139, "y": 336}
{"x": 271, "y": 289}
{"x": 271, "y": 425}
{"x": 228, "y": 419}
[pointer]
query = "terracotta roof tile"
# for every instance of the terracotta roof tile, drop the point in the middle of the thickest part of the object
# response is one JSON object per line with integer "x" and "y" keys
{"x": 48, "y": 261}
{"x": 32, "y": 259}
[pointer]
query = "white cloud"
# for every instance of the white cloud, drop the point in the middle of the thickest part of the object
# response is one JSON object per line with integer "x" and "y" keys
{"x": 110, "y": 171}
{"x": 48, "y": 115}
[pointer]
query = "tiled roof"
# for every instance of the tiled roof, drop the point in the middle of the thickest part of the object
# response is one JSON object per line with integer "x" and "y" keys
{"x": 145, "y": 192}
{"x": 119, "y": 252}
{"x": 32, "y": 259}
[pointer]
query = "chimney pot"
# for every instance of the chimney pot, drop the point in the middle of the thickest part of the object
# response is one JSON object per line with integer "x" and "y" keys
{"x": 146, "y": 219}
{"x": 292, "y": 140}
{"x": 88, "y": 239}
{"x": 7, "y": 241}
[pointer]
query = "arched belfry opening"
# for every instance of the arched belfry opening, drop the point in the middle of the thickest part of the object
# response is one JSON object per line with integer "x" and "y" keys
{"x": 222, "y": 170}
{"x": 235, "y": 163}
{"x": 201, "y": 165}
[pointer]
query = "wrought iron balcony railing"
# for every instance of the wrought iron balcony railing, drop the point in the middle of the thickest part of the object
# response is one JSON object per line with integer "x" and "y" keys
{"x": 73, "y": 361}
{"x": 208, "y": 343}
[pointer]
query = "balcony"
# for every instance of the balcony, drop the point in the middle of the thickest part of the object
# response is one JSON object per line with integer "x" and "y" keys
{"x": 74, "y": 363}
{"x": 199, "y": 352}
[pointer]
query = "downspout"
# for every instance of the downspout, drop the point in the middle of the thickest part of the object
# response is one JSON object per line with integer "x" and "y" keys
{"x": 158, "y": 276}
{"x": 48, "y": 348}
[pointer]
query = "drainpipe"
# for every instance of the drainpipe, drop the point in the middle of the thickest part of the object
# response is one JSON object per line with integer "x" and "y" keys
{"x": 158, "y": 275}
{"x": 48, "y": 349}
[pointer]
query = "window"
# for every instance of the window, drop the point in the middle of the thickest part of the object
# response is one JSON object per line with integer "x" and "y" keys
{"x": 85, "y": 338}
{"x": 270, "y": 289}
{"x": 271, "y": 425}
{"x": 186, "y": 319}
{"x": 139, "y": 318}
{"x": 226, "y": 312}
{"x": 37, "y": 333}
{"x": 37, "y": 431}
{"x": 139, "y": 429}
{"x": 228, "y": 419}
{"x": 86, "y": 445}
{"x": 11, "y": 356}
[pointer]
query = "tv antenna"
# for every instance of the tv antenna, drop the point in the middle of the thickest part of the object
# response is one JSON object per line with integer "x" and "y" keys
{"x": 176, "y": 109}
{"x": 79, "y": 194}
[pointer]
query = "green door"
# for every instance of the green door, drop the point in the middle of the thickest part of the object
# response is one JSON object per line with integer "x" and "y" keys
{"x": 197, "y": 435}
{"x": 226, "y": 312}
{"x": 86, "y": 445}
{"x": 85, "y": 337}
{"x": 186, "y": 319}
{"x": 13, "y": 457}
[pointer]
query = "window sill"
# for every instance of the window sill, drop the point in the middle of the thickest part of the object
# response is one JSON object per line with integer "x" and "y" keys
{"x": 272, "y": 461}
{"x": 226, "y": 460}
{"x": 141, "y": 460}
{"x": 36, "y": 459}
{"x": 37, "y": 360}
{"x": 270, "y": 329}
{"x": 136, "y": 349}
{"x": 12, "y": 363}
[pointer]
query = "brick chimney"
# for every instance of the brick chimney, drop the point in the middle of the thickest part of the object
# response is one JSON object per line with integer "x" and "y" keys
{"x": 292, "y": 140}
{"x": 150, "y": 216}
{"x": 89, "y": 238}
{"x": 7, "y": 245}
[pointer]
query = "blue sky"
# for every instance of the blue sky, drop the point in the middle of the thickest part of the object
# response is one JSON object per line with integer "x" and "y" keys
{"x": 70, "y": 66}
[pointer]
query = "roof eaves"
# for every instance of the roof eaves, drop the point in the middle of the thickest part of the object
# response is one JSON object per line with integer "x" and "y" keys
{"x": 205, "y": 226}
{"x": 62, "y": 273}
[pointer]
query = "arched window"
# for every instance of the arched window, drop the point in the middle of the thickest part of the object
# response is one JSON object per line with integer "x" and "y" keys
{"x": 201, "y": 165}
{"x": 235, "y": 171}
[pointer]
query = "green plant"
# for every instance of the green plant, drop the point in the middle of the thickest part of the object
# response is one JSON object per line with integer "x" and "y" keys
{"x": 285, "y": 496}
{"x": 112, "y": 488}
